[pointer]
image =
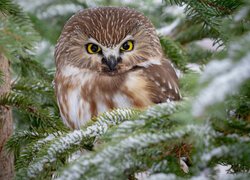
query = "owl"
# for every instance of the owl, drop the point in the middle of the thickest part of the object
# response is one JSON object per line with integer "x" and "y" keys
{"x": 107, "y": 58}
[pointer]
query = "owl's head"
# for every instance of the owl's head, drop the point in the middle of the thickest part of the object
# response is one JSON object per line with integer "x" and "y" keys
{"x": 108, "y": 40}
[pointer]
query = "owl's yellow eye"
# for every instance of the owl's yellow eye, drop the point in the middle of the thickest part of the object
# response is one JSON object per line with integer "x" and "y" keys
{"x": 127, "y": 46}
{"x": 92, "y": 48}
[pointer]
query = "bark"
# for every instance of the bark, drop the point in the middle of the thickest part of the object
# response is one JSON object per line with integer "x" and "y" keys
{"x": 6, "y": 124}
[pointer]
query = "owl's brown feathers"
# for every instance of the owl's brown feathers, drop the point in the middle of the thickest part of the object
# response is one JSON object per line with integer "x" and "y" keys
{"x": 127, "y": 68}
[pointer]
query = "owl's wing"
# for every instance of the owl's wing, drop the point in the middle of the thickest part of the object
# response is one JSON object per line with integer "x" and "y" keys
{"x": 163, "y": 82}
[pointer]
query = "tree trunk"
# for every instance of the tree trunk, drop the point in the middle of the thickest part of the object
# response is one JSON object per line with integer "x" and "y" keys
{"x": 6, "y": 124}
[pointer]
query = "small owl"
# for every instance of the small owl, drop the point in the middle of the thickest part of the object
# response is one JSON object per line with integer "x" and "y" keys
{"x": 109, "y": 58}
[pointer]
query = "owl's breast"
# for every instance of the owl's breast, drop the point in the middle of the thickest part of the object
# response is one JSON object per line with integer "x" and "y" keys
{"x": 82, "y": 94}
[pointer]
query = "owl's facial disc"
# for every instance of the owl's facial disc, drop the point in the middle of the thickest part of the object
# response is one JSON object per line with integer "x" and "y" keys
{"x": 109, "y": 41}
{"x": 110, "y": 58}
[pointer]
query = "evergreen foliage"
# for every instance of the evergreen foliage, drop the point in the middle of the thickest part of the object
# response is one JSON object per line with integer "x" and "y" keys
{"x": 208, "y": 128}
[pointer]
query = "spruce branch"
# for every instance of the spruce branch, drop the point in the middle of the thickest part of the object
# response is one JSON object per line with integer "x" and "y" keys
{"x": 17, "y": 37}
{"x": 30, "y": 151}
{"x": 187, "y": 32}
{"x": 33, "y": 85}
{"x": 66, "y": 144}
{"x": 174, "y": 51}
{"x": 225, "y": 154}
{"x": 108, "y": 160}
{"x": 149, "y": 119}
{"x": 23, "y": 103}
{"x": 16, "y": 31}
{"x": 29, "y": 67}
{"x": 234, "y": 68}
{"x": 20, "y": 138}
{"x": 209, "y": 14}
{"x": 7, "y": 7}
{"x": 1, "y": 78}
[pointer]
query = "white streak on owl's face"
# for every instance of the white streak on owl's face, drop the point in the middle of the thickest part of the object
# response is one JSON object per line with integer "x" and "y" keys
{"x": 122, "y": 59}
{"x": 115, "y": 60}
{"x": 112, "y": 51}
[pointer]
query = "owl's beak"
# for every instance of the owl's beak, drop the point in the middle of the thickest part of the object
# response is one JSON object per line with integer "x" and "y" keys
{"x": 111, "y": 62}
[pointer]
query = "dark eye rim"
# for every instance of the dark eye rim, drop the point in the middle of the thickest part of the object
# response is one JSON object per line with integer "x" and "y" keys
{"x": 132, "y": 41}
{"x": 94, "y": 52}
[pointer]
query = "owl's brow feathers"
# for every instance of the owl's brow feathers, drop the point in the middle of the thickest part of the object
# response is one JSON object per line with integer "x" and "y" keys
{"x": 107, "y": 25}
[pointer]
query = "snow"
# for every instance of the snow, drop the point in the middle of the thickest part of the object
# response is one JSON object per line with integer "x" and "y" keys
{"x": 53, "y": 10}
{"x": 104, "y": 159}
{"x": 155, "y": 111}
{"x": 194, "y": 67}
{"x": 208, "y": 44}
{"x": 166, "y": 30}
{"x": 201, "y": 176}
{"x": 162, "y": 176}
{"x": 41, "y": 142}
{"x": 216, "y": 152}
{"x": 176, "y": 10}
{"x": 45, "y": 48}
{"x": 142, "y": 175}
{"x": 242, "y": 139}
{"x": 57, "y": 147}
{"x": 59, "y": 10}
{"x": 221, "y": 174}
{"x": 75, "y": 156}
{"x": 222, "y": 170}
{"x": 241, "y": 14}
{"x": 64, "y": 143}
{"x": 30, "y": 5}
{"x": 216, "y": 67}
{"x": 224, "y": 84}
